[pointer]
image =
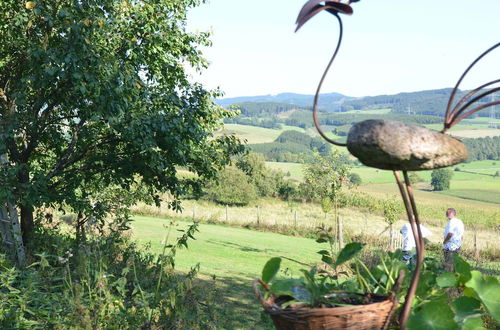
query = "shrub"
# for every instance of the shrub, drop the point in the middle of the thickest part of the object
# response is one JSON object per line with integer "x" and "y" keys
{"x": 355, "y": 179}
{"x": 232, "y": 187}
{"x": 440, "y": 179}
{"x": 415, "y": 178}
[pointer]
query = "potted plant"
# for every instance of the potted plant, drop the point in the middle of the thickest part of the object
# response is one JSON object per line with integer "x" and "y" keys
{"x": 322, "y": 299}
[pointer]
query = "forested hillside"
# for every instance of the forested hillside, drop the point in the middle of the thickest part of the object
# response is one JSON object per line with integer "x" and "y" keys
{"x": 291, "y": 146}
{"x": 428, "y": 102}
{"x": 483, "y": 148}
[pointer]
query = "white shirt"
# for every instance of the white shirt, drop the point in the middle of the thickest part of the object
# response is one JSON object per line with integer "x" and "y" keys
{"x": 456, "y": 228}
{"x": 408, "y": 240}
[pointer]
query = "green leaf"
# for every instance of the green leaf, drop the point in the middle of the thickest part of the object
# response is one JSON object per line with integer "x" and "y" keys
{"x": 270, "y": 269}
{"x": 432, "y": 316}
{"x": 327, "y": 259}
{"x": 466, "y": 307}
{"x": 487, "y": 289}
{"x": 446, "y": 280}
{"x": 348, "y": 252}
{"x": 473, "y": 324}
{"x": 324, "y": 252}
{"x": 462, "y": 268}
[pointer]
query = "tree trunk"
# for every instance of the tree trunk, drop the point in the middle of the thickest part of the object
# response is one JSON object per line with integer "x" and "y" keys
{"x": 391, "y": 242}
{"x": 27, "y": 223}
{"x": 340, "y": 231}
{"x": 27, "y": 220}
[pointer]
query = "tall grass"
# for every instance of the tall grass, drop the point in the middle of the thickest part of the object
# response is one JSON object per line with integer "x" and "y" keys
{"x": 104, "y": 283}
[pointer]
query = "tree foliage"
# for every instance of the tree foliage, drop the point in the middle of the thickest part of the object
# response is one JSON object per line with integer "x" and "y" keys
{"x": 232, "y": 187}
{"x": 440, "y": 179}
{"x": 95, "y": 94}
{"x": 267, "y": 181}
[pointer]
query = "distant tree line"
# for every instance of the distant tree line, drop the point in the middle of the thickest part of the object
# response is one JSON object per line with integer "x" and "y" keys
{"x": 303, "y": 118}
{"x": 483, "y": 148}
{"x": 272, "y": 123}
{"x": 291, "y": 146}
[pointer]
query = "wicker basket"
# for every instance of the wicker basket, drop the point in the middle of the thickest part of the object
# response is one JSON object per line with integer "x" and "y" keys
{"x": 375, "y": 315}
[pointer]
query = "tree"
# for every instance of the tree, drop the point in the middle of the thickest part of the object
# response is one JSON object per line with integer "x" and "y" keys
{"x": 440, "y": 179}
{"x": 355, "y": 179}
{"x": 232, "y": 187}
{"x": 266, "y": 180}
{"x": 391, "y": 216}
{"x": 94, "y": 94}
{"x": 326, "y": 175}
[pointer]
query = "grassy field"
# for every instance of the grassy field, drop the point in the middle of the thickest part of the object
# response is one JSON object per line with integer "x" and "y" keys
{"x": 230, "y": 258}
{"x": 474, "y": 181}
{"x": 255, "y": 135}
{"x": 235, "y": 256}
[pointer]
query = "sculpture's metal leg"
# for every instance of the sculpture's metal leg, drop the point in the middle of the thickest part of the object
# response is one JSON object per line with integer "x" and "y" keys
{"x": 411, "y": 211}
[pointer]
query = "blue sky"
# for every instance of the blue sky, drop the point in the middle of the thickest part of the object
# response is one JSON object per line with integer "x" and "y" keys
{"x": 389, "y": 46}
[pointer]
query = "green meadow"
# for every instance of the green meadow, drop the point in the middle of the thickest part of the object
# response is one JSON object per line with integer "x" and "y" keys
{"x": 233, "y": 256}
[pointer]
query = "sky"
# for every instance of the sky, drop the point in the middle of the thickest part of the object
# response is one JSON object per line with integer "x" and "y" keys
{"x": 389, "y": 46}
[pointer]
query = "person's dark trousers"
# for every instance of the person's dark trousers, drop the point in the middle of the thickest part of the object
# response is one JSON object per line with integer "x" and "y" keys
{"x": 448, "y": 259}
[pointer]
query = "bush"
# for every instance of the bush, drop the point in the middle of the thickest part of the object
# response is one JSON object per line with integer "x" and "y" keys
{"x": 232, "y": 187}
{"x": 440, "y": 179}
{"x": 414, "y": 178}
{"x": 355, "y": 179}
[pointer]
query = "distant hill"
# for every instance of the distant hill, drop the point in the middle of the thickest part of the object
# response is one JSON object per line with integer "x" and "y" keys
{"x": 428, "y": 102}
{"x": 328, "y": 101}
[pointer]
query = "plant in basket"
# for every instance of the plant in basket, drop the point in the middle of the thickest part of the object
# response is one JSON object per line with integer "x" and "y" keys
{"x": 325, "y": 298}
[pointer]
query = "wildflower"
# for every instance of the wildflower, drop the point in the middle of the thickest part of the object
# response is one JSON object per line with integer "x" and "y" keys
{"x": 62, "y": 260}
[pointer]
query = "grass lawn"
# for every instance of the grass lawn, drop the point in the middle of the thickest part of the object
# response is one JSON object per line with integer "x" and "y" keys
{"x": 234, "y": 255}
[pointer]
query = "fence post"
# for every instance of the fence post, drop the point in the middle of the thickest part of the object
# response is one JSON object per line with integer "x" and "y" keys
{"x": 258, "y": 215}
{"x": 194, "y": 214}
{"x": 295, "y": 219}
{"x": 476, "y": 252}
{"x": 226, "y": 214}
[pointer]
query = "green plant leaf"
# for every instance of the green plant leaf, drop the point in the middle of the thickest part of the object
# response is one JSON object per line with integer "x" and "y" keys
{"x": 473, "y": 324}
{"x": 324, "y": 252}
{"x": 327, "y": 259}
{"x": 487, "y": 289}
{"x": 433, "y": 316}
{"x": 348, "y": 252}
{"x": 270, "y": 269}
{"x": 466, "y": 307}
{"x": 461, "y": 267}
{"x": 446, "y": 280}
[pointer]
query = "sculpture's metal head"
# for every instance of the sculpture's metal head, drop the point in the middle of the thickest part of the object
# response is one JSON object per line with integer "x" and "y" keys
{"x": 313, "y": 7}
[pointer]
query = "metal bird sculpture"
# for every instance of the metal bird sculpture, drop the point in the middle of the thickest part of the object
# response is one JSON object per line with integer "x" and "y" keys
{"x": 396, "y": 146}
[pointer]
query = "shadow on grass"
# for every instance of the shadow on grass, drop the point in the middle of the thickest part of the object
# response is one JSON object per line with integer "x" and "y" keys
{"x": 242, "y": 247}
{"x": 234, "y": 303}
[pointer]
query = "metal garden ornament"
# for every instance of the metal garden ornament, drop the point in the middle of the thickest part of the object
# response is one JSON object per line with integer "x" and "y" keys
{"x": 396, "y": 146}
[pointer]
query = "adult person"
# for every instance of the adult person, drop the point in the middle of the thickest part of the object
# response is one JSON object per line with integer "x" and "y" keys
{"x": 409, "y": 247}
{"x": 453, "y": 236}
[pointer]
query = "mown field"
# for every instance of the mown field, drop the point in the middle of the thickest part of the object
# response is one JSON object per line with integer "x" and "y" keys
{"x": 253, "y": 134}
{"x": 235, "y": 256}
{"x": 231, "y": 257}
